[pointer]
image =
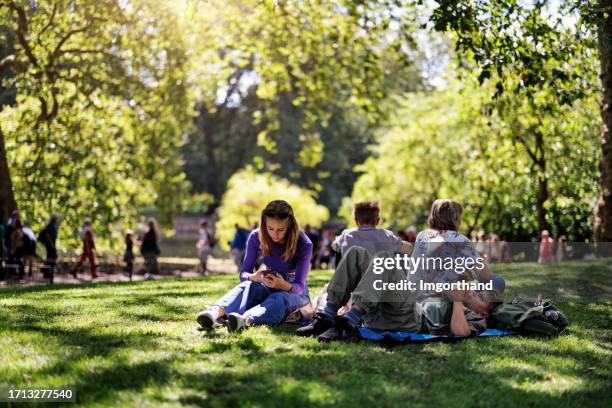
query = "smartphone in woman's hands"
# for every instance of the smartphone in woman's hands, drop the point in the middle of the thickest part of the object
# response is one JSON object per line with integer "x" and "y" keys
{"x": 268, "y": 272}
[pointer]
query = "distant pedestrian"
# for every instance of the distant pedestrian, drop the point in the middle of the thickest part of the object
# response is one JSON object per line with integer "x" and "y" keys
{"x": 8, "y": 232}
{"x": 481, "y": 244}
{"x": 411, "y": 234}
{"x": 89, "y": 248}
{"x": 29, "y": 248}
{"x": 128, "y": 255}
{"x": 561, "y": 253}
{"x": 150, "y": 249}
{"x": 326, "y": 254}
{"x": 238, "y": 245}
{"x": 315, "y": 238}
{"x": 546, "y": 247}
{"x": 204, "y": 245}
{"x": 16, "y": 259}
{"x": 48, "y": 237}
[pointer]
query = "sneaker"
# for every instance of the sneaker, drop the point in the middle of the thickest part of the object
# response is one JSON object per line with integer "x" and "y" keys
{"x": 320, "y": 323}
{"x": 341, "y": 330}
{"x": 237, "y": 322}
{"x": 207, "y": 318}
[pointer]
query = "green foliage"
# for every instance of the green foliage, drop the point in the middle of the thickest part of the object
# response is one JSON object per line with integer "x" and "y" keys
{"x": 455, "y": 143}
{"x": 248, "y": 193}
{"x": 294, "y": 88}
{"x": 97, "y": 110}
{"x": 102, "y": 102}
{"x": 532, "y": 46}
{"x": 532, "y": 41}
{"x": 321, "y": 51}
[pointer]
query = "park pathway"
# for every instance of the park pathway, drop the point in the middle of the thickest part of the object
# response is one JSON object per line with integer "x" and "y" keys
{"x": 171, "y": 268}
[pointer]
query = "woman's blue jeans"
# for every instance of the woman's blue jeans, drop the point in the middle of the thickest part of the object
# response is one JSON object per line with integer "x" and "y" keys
{"x": 262, "y": 304}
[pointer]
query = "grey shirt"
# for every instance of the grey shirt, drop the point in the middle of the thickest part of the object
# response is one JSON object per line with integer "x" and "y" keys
{"x": 370, "y": 238}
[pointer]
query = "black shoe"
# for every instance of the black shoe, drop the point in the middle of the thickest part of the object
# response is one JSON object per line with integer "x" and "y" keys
{"x": 341, "y": 330}
{"x": 320, "y": 323}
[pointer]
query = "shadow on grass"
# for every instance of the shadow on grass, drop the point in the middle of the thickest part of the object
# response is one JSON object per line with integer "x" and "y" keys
{"x": 568, "y": 281}
{"x": 350, "y": 375}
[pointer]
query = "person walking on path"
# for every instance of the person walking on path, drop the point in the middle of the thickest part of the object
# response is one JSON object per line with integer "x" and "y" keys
{"x": 89, "y": 247}
{"x": 561, "y": 253}
{"x": 128, "y": 255}
{"x": 204, "y": 245}
{"x": 29, "y": 248}
{"x": 546, "y": 248}
{"x": 48, "y": 237}
{"x": 16, "y": 254}
{"x": 8, "y": 232}
{"x": 150, "y": 249}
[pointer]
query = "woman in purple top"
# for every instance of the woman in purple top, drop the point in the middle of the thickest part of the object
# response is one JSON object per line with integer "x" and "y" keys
{"x": 268, "y": 295}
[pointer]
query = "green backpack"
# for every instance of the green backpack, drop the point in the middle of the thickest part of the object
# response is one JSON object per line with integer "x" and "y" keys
{"x": 530, "y": 316}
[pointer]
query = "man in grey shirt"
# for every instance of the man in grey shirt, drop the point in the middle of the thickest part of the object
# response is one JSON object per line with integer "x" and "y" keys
{"x": 361, "y": 245}
{"x": 367, "y": 236}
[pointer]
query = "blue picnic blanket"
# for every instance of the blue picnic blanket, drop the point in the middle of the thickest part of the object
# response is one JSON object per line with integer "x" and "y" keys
{"x": 374, "y": 335}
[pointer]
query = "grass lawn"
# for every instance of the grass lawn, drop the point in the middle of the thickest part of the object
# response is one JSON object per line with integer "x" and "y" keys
{"x": 136, "y": 344}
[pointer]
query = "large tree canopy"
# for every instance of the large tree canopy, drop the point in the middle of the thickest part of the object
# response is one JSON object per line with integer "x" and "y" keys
{"x": 113, "y": 79}
{"x": 101, "y": 104}
{"x": 456, "y": 143}
{"x": 101, "y": 100}
{"x": 535, "y": 42}
{"x": 301, "y": 87}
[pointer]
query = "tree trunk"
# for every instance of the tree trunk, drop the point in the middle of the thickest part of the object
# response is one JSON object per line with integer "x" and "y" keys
{"x": 542, "y": 196}
{"x": 7, "y": 199}
{"x": 603, "y": 220}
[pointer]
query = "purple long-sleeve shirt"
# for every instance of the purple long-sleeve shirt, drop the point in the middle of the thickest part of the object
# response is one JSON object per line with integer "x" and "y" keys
{"x": 300, "y": 263}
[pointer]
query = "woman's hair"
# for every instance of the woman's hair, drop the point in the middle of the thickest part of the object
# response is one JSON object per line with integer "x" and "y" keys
{"x": 279, "y": 210}
{"x": 445, "y": 215}
{"x": 153, "y": 228}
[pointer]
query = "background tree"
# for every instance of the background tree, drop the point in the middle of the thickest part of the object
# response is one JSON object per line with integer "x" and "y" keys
{"x": 527, "y": 40}
{"x": 101, "y": 104}
{"x": 455, "y": 143}
{"x": 247, "y": 194}
{"x": 7, "y": 97}
{"x": 313, "y": 77}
